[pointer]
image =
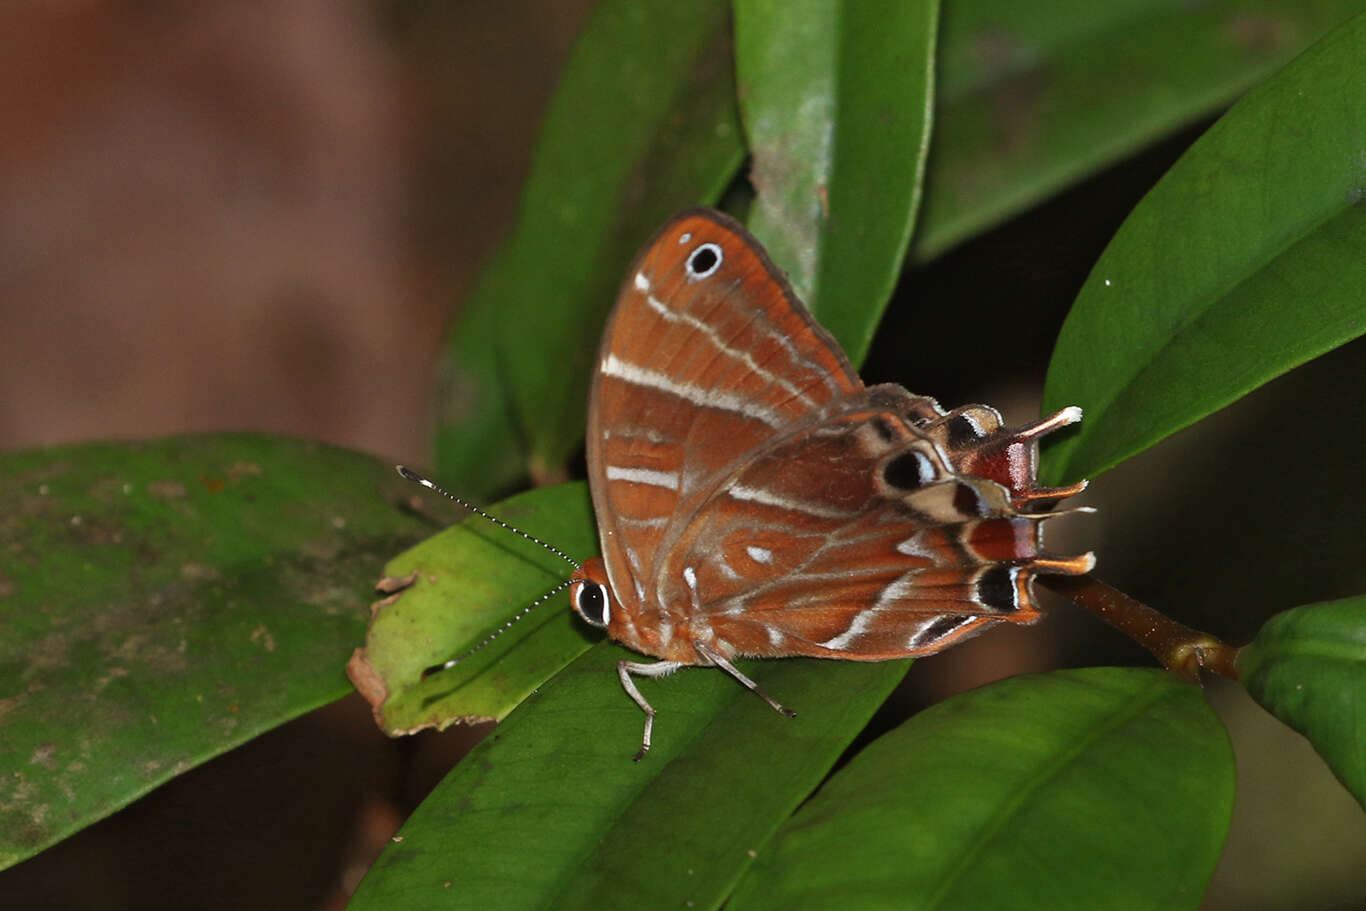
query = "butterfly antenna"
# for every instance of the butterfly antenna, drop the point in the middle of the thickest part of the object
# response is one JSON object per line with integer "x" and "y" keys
{"x": 411, "y": 475}
{"x": 445, "y": 665}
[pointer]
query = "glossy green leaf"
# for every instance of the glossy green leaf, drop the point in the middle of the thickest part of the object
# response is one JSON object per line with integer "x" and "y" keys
{"x": 162, "y": 602}
{"x": 836, "y": 101}
{"x": 643, "y": 123}
{"x": 457, "y": 589}
{"x": 1243, "y": 262}
{"x": 1036, "y": 95}
{"x": 1307, "y": 666}
{"x": 550, "y": 811}
{"x": 1096, "y": 788}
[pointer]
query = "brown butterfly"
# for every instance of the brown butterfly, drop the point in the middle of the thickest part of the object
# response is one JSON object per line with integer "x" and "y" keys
{"x": 755, "y": 499}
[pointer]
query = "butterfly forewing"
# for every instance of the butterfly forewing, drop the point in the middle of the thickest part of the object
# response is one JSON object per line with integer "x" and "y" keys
{"x": 706, "y": 358}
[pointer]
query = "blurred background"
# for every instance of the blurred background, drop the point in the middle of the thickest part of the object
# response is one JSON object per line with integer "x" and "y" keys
{"x": 264, "y": 216}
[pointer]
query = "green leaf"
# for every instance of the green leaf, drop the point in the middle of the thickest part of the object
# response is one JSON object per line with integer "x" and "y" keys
{"x": 1242, "y": 263}
{"x": 1095, "y": 788}
{"x": 643, "y": 123}
{"x": 550, "y": 811}
{"x": 1307, "y": 666}
{"x": 1036, "y": 95}
{"x": 161, "y": 603}
{"x": 460, "y": 587}
{"x": 836, "y": 100}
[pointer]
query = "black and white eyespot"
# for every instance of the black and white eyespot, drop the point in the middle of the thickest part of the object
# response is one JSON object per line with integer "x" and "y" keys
{"x": 909, "y": 470}
{"x": 997, "y": 588}
{"x": 704, "y": 260}
{"x": 964, "y": 430}
{"x": 591, "y": 602}
{"x": 968, "y": 501}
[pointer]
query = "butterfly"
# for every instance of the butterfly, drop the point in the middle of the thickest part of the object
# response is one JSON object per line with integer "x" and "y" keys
{"x": 755, "y": 499}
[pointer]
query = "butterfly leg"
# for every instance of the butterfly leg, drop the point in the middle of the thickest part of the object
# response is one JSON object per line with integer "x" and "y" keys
{"x": 750, "y": 685}
{"x": 655, "y": 669}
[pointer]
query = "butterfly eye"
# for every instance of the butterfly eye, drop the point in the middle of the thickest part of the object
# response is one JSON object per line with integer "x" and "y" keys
{"x": 703, "y": 261}
{"x": 590, "y": 601}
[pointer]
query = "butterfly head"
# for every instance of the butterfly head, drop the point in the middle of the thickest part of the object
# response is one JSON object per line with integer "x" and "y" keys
{"x": 589, "y": 594}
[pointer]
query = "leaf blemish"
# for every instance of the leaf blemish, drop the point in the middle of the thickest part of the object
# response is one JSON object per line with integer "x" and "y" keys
{"x": 166, "y": 490}
{"x": 262, "y": 635}
{"x": 392, "y": 584}
{"x": 43, "y": 756}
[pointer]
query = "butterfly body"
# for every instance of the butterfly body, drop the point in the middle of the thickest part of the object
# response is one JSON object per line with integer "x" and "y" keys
{"x": 754, "y": 498}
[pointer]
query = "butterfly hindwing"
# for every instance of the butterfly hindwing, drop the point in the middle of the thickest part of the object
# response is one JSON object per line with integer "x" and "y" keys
{"x": 849, "y": 539}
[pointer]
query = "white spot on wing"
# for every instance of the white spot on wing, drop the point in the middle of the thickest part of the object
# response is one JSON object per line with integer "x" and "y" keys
{"x": 895, "y": 591}
{"x": 759, "y": 554}
{"x": 744, "y": 357}
{"x": 769, "y": 498}
{"x": 709, "y": 398}
{"x": 654, "y": 522}
{"x": 642, "y": 283}
{"x": 920, "y": 637}
{"x": 1018, "y": 457}
{"x": 649, "y": 476}
{"x": 862, "y": 621}
{"x": 725, "y": 568}
{"x": 912, "y": 547}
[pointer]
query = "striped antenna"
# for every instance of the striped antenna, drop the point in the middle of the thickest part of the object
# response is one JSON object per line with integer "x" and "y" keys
{"x": 445, "y": 665}
{"x": 411, "y": 475}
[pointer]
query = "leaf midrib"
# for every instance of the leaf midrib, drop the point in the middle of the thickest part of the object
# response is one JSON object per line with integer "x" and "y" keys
{"x": 1154, "y": 356}
{"x": 1047, "y": 771}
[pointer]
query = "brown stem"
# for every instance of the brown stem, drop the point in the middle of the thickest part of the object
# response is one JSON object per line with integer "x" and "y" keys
{"x": 1180, "y": 649}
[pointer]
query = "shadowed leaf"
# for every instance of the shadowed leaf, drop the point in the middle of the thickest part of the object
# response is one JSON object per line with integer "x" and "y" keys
{"x": 1242, "y": 263}
{"x": 643, "y": 123}
{"x": 1095, "y": 788}
{"x": 550, "y": 811}
{"x": 1035, "y": 95}
{"x": 836, "y": 99}
{"x": 1307, "y": 666}
{"x": 162, "y": 602}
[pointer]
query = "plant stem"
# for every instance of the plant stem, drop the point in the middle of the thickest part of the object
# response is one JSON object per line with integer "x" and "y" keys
{"x": 1180, "y": 649}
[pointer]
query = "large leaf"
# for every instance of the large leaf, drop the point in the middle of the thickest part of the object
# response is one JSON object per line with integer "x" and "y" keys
{"x": 1243, "y": 262}
{"x": 836, "y": 101}
{"x": 550, "y": 811}
{"x": 1308, "y": 667}
{"x": 163, "y": 602}
{"x": 1096, "y": 788}
{"x": 643, "y": 123}
{"x": 1035, "y": 95}
{"x": 458, "y": 588}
